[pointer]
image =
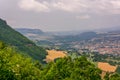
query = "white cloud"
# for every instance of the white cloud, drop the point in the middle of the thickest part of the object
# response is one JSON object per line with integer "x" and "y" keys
{"x": 70, "y": 5}
{"x": 75, "y": 6}
{"x": 115, "y": 6}
{"x": 34, "y": 5}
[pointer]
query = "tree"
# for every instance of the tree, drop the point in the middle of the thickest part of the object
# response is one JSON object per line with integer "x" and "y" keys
{"x": 14, "y": 66}
{"x": 68, "y": 69}
{"x": 115, "y": 76}
{"x": 106, "y": 77}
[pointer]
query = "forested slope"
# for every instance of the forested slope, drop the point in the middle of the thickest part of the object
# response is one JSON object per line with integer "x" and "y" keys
{"x": 14, "y": 38}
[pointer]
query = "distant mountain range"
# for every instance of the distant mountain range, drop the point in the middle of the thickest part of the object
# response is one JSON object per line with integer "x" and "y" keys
{"x": 110, "y": 29}
{"x": 23, "y": 44}
{"x": 37, "y": 34}
{"x": 78, "y": 37}
{"x": 27, "y": 30}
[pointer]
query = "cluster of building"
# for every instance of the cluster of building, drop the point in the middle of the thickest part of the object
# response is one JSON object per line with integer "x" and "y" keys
{"x": 105, "y": 44}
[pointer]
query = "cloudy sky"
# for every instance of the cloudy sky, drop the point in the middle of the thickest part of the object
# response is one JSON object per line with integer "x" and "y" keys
{"x": 61, "y": 15}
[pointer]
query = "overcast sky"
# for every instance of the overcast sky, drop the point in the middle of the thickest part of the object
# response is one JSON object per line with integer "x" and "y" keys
{"x": 61, "y": 15}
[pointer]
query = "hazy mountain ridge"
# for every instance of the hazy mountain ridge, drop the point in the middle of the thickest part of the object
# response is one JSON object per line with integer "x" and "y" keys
{"x": 27, "y": 30}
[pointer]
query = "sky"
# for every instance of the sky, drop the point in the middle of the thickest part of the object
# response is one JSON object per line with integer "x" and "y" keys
{"x": 61, "y": 15}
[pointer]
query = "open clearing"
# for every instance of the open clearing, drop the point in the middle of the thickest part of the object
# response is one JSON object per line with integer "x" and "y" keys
{"x": 53, "y": 54}
{"x": 106, "y": 67}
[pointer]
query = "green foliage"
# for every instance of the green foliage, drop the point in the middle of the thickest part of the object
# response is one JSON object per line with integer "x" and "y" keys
{"x": 14, "y": 66}
{"x": 112, "y": 76}
{"x": 106, "y": 77}
{"x": 14, "y": 38}
{"x": 115, "y": 77}
{"x": 118, "y": 69}
{"x": 68, "y": 69}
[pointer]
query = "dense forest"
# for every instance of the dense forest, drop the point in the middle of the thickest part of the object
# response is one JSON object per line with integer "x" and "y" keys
{"x": 24, "y": 45}
{"x": 15, "y": 66}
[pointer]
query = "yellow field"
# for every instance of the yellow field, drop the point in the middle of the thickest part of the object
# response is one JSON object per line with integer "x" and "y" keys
{"x": 53, "y": 54}
{"x": 106, "y": 67}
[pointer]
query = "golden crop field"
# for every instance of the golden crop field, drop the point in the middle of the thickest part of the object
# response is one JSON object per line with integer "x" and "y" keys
{"x": 53, "y": 54}
{"x": 106, "y": 67}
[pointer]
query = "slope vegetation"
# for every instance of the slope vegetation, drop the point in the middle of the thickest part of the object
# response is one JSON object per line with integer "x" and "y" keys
{"x": 14, "y": 38}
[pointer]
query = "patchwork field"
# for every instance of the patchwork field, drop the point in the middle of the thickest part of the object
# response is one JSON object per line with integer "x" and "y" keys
{"x": 54, "y": 54}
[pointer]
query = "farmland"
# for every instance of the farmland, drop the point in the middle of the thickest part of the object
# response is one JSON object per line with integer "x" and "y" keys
{"x": 54, "y": 54}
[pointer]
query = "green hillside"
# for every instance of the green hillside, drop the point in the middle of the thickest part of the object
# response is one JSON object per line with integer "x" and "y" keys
{"x": 14, "y": 38}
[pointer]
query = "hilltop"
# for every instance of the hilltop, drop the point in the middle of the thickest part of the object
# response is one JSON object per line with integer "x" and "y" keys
{"x": 23, "y": 44}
